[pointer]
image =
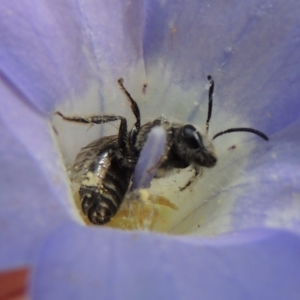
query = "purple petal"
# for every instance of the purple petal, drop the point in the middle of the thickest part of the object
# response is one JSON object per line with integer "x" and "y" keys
{"x": 275, "y": 174}
{"x": 33, "y": 186}
{"x": 42, "y": 51}
{"x": 80, "y": 263}
{"x": 249, "y": 48}
{"x": 51, "y": 52}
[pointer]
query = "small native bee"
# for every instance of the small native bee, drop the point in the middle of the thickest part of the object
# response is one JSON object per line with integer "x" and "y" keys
{"x": 104, "y": 168}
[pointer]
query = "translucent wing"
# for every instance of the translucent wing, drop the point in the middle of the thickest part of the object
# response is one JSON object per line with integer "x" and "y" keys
{"x": 88, "y": 157}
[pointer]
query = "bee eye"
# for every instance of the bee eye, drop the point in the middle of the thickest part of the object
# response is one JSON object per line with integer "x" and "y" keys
{"x": 191, "y": 136}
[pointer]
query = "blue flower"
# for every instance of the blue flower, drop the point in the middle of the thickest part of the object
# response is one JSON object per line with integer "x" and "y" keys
{"x": 69, "y": 55}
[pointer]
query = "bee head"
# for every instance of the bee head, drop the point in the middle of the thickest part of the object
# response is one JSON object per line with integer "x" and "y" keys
{"x": 195, "y": 148}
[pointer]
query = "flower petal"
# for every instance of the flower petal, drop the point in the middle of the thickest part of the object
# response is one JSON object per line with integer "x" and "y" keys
{"x": 79, "y": 263}
{"x": 42, "y": 51}
{"x": 271, "y": 191}
{"x": 251, "y": 49}
{"x": 33, "y": 184}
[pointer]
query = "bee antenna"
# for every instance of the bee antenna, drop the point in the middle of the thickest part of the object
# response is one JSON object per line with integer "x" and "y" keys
{"x": 210, "y": 100}
{"x": 257, "y": 132}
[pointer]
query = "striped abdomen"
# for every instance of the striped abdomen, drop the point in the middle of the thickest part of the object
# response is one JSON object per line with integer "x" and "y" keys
{"x": 104, "y": 187}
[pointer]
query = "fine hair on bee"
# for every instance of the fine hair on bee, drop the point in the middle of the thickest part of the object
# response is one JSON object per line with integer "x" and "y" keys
{"x": 104, "y": 168}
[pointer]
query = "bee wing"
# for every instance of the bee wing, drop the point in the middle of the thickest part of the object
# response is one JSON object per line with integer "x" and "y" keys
{"x": 90, "y": 155}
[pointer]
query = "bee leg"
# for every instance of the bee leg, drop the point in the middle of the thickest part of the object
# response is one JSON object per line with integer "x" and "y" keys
{"x": 190, "y": 181}
{"x": 122, "y": 136}
{"x": 133, "y": 104}
{"x": 90, "y": 119}
{"x": 135, "y": 109}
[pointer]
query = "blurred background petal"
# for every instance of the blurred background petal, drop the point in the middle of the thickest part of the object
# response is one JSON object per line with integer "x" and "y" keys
{"x": 42, "y": 51}
{"x": 33, "y": 185}
{"x": 279, "y": 168}
{"x": 250, "y": 49}
{"x": 102, "y": 263}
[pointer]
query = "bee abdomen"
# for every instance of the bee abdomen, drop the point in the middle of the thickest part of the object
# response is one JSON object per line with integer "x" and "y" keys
{"x": 100, "y": 204}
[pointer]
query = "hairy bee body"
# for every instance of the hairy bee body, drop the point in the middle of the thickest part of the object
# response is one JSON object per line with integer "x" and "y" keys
{"x": 103, "y": 177}
{"x": 104, "y": 170}
{"x": 178, "y": 153}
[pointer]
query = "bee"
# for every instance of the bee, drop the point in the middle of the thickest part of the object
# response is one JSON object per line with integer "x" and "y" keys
{"x": 105, "y": 167}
